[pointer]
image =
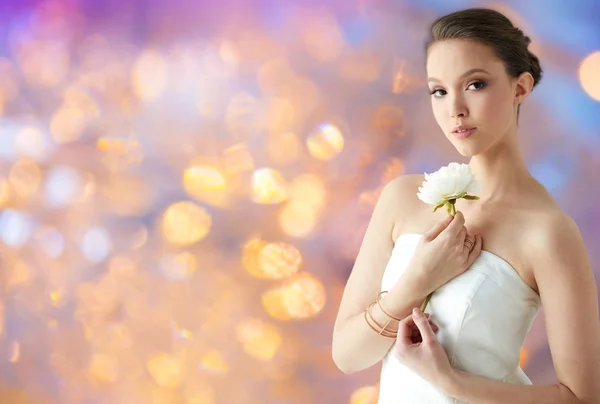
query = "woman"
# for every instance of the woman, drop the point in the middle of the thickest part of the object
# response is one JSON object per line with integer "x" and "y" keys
{"x": 492, "y": 266}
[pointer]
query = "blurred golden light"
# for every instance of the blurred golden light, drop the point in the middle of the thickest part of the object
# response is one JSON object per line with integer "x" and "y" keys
{"x": 322, "y": 36}
{"x": 298, "y": 219}
{"x": 25, "y": 177}
{"x": 119, "y": 154}
{"x": 103, "y": 368}
{"x": 176, "y": 267}
{"x": 128, "y": 195}
{"x": 76, "y": 97}
{"x": 365, "y": 395}
{"x": 203, "y": 177}
{"x": 284, "y": 148}
{"x": 308, "y": 189}
{"x": 403, "y": 81}
{"x": 14, "y": 352}
{"x": 369, "y": 198}
{"x": 185, "y": 223}
{"x": 326, "y": 142}
{"x": 185, "y": 334}
{"x": 88, "y": 189}
{"x": 279, "y": 260}
{"x": 229, "y": 53}
{"x": 390, "y": 119}
{"x": 268, "y": 186}
{"x": 206, "y": 183}
{"x": 199, "y": 393}
{"x": 250, "y": 256}
{"x": 68, "y": 123}
{"x": 17, "y": 273}
{"x": 166, "y": 370}
{"x": 589, "y": 75}
{"x": 300, "y": 297}
{"x": 149, "y": 76}
{"x": 214, "y": 362}
{"x": 524, "y": 357}
{"x": 4, "y": 192}
{"x": 392, "y": 169}
{"x": 238, "y": 159}
{"x": 260, "y": 340}
{"x": 57, "y": 298}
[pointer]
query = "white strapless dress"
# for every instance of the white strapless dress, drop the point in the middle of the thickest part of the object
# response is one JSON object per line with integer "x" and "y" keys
{"x": 483, "y": 316}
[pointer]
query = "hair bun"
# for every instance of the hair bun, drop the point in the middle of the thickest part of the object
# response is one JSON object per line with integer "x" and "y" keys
{"x": 536, "y": 69}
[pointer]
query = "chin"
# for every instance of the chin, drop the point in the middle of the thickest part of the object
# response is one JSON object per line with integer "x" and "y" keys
{"x": 466, "y": 151}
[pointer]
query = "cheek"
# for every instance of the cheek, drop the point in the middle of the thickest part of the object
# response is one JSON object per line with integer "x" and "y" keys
{"x": 495, "y": 107}
{"x": 439, "y": 111}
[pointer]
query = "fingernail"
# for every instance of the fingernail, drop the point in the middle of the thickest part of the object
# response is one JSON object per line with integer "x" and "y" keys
{"x": 417, "y": 312}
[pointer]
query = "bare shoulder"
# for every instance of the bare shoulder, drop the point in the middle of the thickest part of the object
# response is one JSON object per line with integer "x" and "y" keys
{"x": 402, "y": 195}
{"x": 552, "y": 228}
{"x": 553, "y": 236}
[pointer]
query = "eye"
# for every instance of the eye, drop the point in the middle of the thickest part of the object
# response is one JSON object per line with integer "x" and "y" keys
{"x": 438, "y": 92}
{"x": 477, "y": 84}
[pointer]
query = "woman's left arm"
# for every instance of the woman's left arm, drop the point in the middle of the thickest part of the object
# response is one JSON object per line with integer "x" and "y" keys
{"x": 570, "y": 303}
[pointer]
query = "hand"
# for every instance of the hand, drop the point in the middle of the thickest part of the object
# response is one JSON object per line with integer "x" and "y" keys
{"x": 442, "y": 254}
{"x": 418, "y": 348}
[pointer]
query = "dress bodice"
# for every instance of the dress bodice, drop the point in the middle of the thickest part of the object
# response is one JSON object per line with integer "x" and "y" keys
{"x": 483, "y": 316}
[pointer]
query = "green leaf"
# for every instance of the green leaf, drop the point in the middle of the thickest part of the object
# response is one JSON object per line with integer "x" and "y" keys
{"x": 471, "y": 197}
{"x": 449, "y": 208}
{"x": 439, "y": 206}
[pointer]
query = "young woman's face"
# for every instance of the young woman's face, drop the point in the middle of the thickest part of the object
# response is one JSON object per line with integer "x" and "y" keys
{"x": 469, "y": 86}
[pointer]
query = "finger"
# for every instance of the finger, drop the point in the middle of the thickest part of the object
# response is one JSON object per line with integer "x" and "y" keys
{"x": 432, "y": 233}
{"x": 476, "y": 249}
{"x": 469, "y": 243}
{"x": 456, "y": 224}
{"x": 405, "y": 329}
{"x": 462, "y": 234}
{"x": 427, "y": 333}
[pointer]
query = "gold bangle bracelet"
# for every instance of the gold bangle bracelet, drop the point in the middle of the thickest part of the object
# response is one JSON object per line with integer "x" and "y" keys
{"x": 382, "y": 329}
{"x": 381, "y": 306}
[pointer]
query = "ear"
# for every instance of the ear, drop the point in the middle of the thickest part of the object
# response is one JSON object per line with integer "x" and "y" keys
{"x": 524, "y": 85}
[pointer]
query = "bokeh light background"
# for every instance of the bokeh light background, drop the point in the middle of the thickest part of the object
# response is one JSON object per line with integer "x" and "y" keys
{"x": 184, "y": 185}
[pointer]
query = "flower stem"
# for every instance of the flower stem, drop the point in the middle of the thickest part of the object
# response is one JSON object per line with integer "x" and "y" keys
{"x": 424, "y": 305}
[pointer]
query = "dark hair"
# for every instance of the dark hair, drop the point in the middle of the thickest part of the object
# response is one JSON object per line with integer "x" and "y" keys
{"x": 494, "y": 29}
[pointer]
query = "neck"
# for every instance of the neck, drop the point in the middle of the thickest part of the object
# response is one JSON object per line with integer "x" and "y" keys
{"x": 501, "y": 170}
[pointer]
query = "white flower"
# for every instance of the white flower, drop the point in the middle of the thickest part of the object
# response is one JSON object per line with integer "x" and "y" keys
{"x": 448, "y": 184}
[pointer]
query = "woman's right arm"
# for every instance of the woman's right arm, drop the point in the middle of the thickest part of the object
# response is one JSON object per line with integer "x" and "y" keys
{"x": 355, "y": 345}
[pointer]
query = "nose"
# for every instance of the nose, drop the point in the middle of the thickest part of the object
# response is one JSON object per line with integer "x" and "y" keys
{"x": 458, "y": 108}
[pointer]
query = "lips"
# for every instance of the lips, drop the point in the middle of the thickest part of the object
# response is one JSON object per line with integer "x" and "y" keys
{"x": 463, "y": 131}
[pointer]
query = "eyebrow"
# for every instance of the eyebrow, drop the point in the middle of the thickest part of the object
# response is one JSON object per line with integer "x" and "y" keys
{"x": 465, "y": 74}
